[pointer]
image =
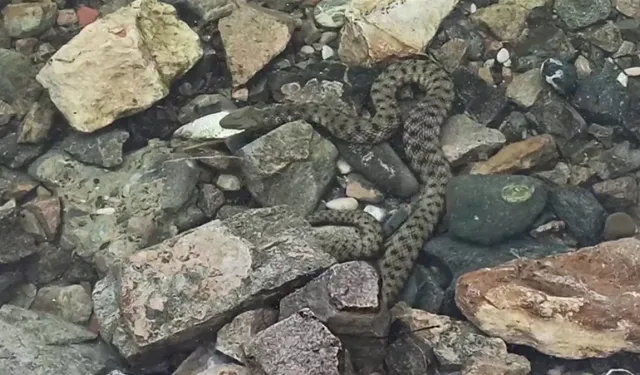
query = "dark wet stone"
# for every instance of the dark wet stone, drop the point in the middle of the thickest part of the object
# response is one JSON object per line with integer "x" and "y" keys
{"x": 552, "y": 115}
{"x": 423, "y": 290}
{"x": 581, "y": 211}
{"x": 481, "y": 100}
{"x": 406, "y": 356}
{"x": 8, "y": 282}
{"x": 543, "y": 42}
{"x": 601, "y": 97}
{"x": 618, "y": 225}
{"x": 103, "y": 149}
{"x": 382, "y": 166}
{"x": 581, "y": 13}
{"x": 615, "y": 162}
{"x": 488, "y": 209}
{"x": 16, "y": 243}
{"x": 515, "y": 127}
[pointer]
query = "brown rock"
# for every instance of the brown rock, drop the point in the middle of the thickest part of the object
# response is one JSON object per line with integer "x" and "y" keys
{"x": 576, "y": 305}
{"x": 252, "y": 36}
{"x": 520, "y": 156}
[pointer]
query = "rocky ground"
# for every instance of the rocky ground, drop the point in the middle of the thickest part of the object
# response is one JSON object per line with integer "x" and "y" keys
{"x": 140, "y": 237}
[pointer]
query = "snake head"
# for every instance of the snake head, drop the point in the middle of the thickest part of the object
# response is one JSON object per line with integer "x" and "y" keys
{"x": 240, "y": 119}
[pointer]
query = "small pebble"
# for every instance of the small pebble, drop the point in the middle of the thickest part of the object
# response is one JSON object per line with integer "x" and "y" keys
{"x": 623, "y": 79}
{"x": 633, "y": 71}
{"x": 327, "y": 52}
{"x": 375, "y": 211}
{"x": 228, "y": 182}
{"x": 308, "y": 50}
{"x": 342, "y": 204}
{"x": 618, "y": 225}
{"x": 473, "y": 8}
{"x": 328, "y": 37}
{"x": 362, "y": 190}
{"x": 502, "y": 56}
{"x": 343, "y": 166}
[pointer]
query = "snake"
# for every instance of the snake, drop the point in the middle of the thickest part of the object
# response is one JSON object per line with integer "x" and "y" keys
{"x": 396, "y": 255}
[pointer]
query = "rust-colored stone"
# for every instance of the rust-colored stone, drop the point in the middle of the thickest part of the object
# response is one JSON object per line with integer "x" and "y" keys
{"x": 520, "y": 156}
{"x": 575, "y": 305}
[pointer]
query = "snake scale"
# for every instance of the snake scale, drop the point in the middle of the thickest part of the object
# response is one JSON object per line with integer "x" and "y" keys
{"x": 421, "y": 139}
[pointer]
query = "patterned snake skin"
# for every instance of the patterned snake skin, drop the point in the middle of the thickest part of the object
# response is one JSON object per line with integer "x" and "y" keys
{"x": 421, "y": 138}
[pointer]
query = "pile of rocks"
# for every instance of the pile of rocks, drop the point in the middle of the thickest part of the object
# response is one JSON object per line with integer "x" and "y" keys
{"x": 142, "y": 238}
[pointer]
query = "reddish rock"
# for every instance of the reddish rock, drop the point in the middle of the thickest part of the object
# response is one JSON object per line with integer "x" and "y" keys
{"x": 520, "y": 156}
{"x": 86, "y": 15}
{"x": 576, "y": 305}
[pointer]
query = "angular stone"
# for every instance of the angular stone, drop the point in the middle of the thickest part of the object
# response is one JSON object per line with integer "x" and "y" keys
{"x": 72, "y": 303}
{"x": 533, "y": 152}
{"x": 345, "y": 299}
{"x": 463, "y": 140}
{"x": 252, "y": 36}
{"x": 38, "y": 343}
{"x": 524, "y": 88}
{"x": 29, "y": 19}
{"x": 260, "y": 255}
{"x": 299, "y": 344}
{"x": 232, "y": 336}
{"x": 506, "y": 21}
{"x": 290, "y": 165}
{"x": 581, "y": 211}
{"x": 577, "y": 305}
{"x": 120, "y": 64}
{"x": 580, "y": 13}
{"x": 18, "y": 86}
{"x": 617, "y": 194}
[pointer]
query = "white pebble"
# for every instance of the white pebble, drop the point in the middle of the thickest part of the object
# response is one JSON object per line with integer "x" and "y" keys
{"x": 307, "y": 50}
{"x": 375, "y": 211}
{"x": 623, "y": 79}
{"x": 473, "y": 8}
{"x": 106, "y": 211}
{"x": 503, "y": 56}
{"x": 228, "y": 182}
{"x": 327, "y": 52}
{"x": 343, "y": 166}
{"x": 489, "y": 63}
{"x": 632, "y": 72}
{"x": 342, "y": 204}
{"x": 507, "y": 63}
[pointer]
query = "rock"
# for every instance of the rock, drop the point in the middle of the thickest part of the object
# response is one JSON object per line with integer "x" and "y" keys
{"x": 617, "y": 194}
{"x": 299, "y": 344}
{"x": 534, "y": 152}
{"x": 562, "y": 76}
{"x": 618, "y": 225}
{"x": 37, "y": 123}
{"x": 506, "y": 21}
{"x": 482, "y": 101}
{"x": 605, "y": 36}
{"x": 452, "y": 54}
{"x": 9, "y": 281}
{"x": 455, "y": 257}
{"x": 541, "y": 43}
{"x": 381, "y": 165}
{"x": 508, "y": 364}
{"x": 524, "y": 88}
{"x": 29, "y": 19}
{"x": 103, "y": 149}
{"x": 580, "y": 13}
{"x": 389, "y": 29}
{"x": 604, "y": 134}
{"x": 361, "y": 189}
{"x": 342, "y": 204}
{"x": 42, "y": 217}
{"x": 345, "y": 299}
{"x": 291, "y": 164}
{"x": 62, "y": 347}
{"x": 210, "y": 11}
{"x": 463, "y": 140}
{"x": 406, "y": 356}
{"x": 228, "y": 182}
{"x": 515, "y": 127}
{"x": 562, "y": 305}
{"x": 252, "y": 36}
{"x": 91, "y": 96}
{"x": 16, "y": 243}
{"x": 18, "y": 86}
{"x": 250, "y": 265}
{"x": 72, "y": 303}
{"x": 231, "y": 337}
{"x": 331, "y": 13}
{"x": 206, "y": 127}
{"x": 617, "y": 161}
{"x": 489, "y": 209}
{"x": 108, "y": 214}
{"x": 581, "y": 211}
{"x": 629, "y": 8}
{"x": 205, "y": 360}
{"x": 453, "y": 342}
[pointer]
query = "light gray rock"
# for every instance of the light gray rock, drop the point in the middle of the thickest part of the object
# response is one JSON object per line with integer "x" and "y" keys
{"x": 290, "y": 165}
{"x": 72, "y": 303}
{"x": 465, "y": 140}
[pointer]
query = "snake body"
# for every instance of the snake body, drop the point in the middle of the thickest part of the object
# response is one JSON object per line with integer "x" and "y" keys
{"x": 422, "y": 145}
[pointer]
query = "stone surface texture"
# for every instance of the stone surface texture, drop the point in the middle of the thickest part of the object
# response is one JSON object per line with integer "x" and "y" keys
{"x": 576, "y": 305}
{"x": 120, "y": 65}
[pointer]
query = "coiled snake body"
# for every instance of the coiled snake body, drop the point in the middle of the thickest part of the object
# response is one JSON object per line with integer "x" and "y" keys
{"x": 422, "y": 145}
